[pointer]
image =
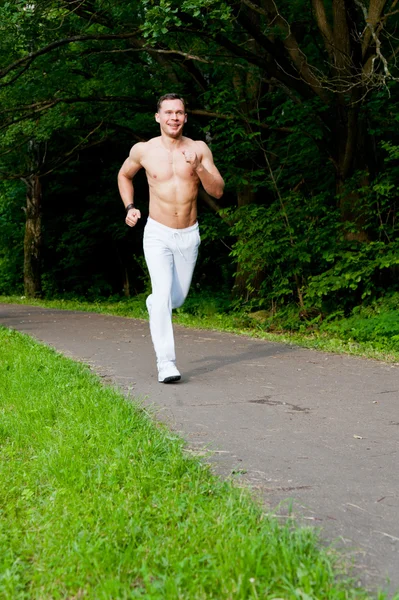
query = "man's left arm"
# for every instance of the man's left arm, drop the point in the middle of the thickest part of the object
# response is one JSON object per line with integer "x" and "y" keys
{"x": 206, "y": 170}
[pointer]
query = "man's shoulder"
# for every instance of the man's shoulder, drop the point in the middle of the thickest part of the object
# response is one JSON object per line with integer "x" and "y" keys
{"x": 191, "y": 141}
{"x": 153, "y": 141}
{"x": 199, "y": 145}
{"x": 139, "y": 150}
{"x": 145, "y": 144}
{"x": 203, "y": 148}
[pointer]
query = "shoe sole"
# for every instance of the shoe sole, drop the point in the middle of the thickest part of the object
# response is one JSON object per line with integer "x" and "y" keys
{"x": 171, "y": 379}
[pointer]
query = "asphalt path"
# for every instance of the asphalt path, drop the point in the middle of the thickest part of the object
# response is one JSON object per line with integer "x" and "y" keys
{"x": 311, "y": 432}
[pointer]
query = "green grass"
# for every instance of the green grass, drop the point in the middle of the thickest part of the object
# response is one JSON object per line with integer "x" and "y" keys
{"x": 99, "y": 501}
{"x": 372, "y": 332}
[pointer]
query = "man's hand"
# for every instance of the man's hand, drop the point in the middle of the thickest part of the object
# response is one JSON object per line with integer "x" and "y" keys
{"x": 191, "y": 158}
{"x": 132, "y": 217}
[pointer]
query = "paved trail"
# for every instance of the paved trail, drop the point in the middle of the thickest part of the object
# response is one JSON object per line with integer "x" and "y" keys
{"x": 317, "y": 428}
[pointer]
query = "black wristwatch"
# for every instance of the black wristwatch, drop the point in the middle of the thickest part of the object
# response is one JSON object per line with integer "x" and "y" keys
{"x": 128, "y": 207}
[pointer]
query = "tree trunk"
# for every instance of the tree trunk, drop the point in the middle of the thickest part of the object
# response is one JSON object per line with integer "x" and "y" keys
{"x": 126, "y": 283}
{"x": 351, "y": 157}
{"x": 33, "y": 238}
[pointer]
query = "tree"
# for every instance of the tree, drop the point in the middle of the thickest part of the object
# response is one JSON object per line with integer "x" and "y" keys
{"x": 289, "y": 94}
{"x": 50, "y": 106}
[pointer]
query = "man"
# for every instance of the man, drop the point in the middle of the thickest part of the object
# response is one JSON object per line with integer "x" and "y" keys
{"x": 175, "y": 166}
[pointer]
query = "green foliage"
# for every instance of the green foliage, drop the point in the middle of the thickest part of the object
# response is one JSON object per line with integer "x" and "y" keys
{"x": 165, "y": 16}
{"x": 214, "y": 270}
{"x": 381, "y": 330}
{"x": 205, "y": 303}
{"x": 284, "y": 242}
{"x": 376, "y": 323}
{"x": 357, "y": 272}
{"x": 275, "y": 139}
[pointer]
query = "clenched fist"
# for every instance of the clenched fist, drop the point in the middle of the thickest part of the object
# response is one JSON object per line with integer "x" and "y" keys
{"x": 132, "y": 217}
{"x": 191, "y": 158}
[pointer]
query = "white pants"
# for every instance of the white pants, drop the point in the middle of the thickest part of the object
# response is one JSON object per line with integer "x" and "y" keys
{"x": 170, "y": 255}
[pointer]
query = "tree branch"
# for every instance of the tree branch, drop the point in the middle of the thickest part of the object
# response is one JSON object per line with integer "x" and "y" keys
{"x": 81, "y": 146}
{"x": 86, "y": 10}
{"x": 283, "y": 68}
{"x": 17, "y": 76}
{"x": 57, "y": 44}
{"x": 216, "y": 115}
{"x": 127, "y": 130}
{"x": 324, "y": 27}
{"x": 150, "y": 50}
{"x": 15, "y": 147}
{"x": 51, "y": 103}
{"x": 372, "y": 17}
{"x": 371, "y": 22}
{"x": 40, "y": 107}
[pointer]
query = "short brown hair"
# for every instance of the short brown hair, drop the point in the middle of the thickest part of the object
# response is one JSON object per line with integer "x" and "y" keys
{"x": 170, "y": 97}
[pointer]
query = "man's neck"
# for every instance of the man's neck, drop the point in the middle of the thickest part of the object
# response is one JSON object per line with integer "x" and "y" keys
{"x": 170, "y": 143}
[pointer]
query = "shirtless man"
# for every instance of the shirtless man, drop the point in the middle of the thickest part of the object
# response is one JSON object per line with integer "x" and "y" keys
{"x": 175, "y": 166}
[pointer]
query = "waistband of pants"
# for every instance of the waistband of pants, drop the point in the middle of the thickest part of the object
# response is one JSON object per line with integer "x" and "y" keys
{"x": 156, "y": 225}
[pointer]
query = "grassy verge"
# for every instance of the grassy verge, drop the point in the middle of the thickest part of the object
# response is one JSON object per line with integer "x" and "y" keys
{"x": 371, "y": 334}
{"x": 98, "y": 501}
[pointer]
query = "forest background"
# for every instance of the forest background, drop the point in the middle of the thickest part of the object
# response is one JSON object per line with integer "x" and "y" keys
{"x": 297, "y": 100}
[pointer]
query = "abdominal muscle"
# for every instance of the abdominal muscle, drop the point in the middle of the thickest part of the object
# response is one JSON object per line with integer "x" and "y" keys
{"x": 174, "y": 203}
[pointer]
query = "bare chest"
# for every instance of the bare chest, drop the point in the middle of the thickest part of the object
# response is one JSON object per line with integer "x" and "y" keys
{"x": 163, "y": 166}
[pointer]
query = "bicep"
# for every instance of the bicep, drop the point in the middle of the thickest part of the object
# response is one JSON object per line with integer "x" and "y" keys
{"x": 132, "y": 164}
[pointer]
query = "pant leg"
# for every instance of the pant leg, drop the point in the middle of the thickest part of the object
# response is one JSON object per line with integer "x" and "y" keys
{"x": 170, "y": 255}
{"x": 185, "y": 258}
{"x": 160, "y": 263}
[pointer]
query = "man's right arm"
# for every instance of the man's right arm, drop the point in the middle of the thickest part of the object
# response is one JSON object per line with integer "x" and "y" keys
{"x": 125, "y": 183}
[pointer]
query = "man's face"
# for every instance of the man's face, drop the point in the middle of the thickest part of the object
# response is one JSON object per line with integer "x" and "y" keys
{"x": 171, "y": 117}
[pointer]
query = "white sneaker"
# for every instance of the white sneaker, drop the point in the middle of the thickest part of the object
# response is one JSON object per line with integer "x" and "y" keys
{"x": 168, "y": 373}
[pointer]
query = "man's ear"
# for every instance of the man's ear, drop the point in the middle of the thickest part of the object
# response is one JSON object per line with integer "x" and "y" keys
{"x": 157, "y": 117}
{"x": 185, "y": 118}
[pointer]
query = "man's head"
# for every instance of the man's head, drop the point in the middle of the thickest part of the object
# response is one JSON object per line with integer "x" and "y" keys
{"x": 170, "y": 97}
{"x": 171, "y": 115}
